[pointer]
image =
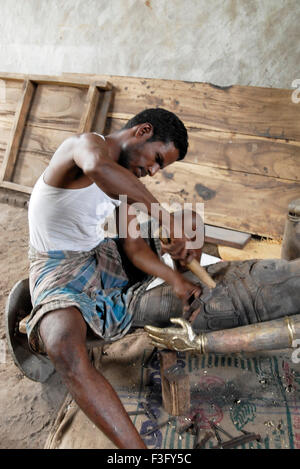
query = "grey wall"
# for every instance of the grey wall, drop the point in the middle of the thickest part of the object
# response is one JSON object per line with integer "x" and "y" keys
{"x": 248, "y": 42}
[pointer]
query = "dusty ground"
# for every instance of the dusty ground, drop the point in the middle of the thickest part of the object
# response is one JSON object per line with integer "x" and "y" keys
{"x": 27, "y": 408}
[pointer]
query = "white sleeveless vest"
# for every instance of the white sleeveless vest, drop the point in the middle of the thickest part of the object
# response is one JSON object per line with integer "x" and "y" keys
{"x": 67, "y": 219}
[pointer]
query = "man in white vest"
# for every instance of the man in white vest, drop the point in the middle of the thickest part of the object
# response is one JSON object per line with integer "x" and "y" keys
{"x": 77, "y": 280}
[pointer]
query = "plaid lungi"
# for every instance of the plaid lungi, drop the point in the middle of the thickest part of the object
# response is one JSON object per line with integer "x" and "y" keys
{"x": 95, "y": 282}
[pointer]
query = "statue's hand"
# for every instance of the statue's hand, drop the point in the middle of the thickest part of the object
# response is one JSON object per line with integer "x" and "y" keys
{"x": 181, "y": 339}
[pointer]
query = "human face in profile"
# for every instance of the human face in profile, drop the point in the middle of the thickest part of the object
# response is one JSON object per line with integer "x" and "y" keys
{"x": 143, "y": 157}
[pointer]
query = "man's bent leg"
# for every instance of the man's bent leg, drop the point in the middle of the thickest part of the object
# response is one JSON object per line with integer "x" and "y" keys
{"x": 64, "y": 333}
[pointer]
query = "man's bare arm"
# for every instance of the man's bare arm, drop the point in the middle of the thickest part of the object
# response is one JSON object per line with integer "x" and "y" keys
{"x": 142, "y": 256}
{"x": 90, "y": 154}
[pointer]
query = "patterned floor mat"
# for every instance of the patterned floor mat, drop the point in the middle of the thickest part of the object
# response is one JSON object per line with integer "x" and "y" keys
{"x": 257, "y": 393}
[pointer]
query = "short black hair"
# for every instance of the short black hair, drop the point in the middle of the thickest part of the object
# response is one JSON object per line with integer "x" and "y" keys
{"x": 167, "y": 127}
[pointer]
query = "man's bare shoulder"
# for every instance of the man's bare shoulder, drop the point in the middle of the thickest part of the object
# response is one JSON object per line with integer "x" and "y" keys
{"x": 78, "y": 143}
{"x": 89, "y": 142}
{"x": 71, "y": 156}
{"x": 92, "y": 137}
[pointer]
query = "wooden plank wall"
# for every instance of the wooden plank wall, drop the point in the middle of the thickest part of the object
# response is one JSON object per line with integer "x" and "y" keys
{"x": 244, "y": 155}
{"x": 243, "y": 161}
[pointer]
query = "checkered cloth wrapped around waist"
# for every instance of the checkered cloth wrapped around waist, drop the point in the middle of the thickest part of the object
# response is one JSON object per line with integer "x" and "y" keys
{"x": 95, "y": 282}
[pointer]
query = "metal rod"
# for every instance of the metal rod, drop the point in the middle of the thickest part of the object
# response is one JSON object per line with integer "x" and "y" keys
{"x": 268, "y": 335}
{"x": 158, "y": 426}
{"x": 239, "y": 440}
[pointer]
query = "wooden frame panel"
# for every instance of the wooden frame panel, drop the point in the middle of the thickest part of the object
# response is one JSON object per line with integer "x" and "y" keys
{"x": 30, "y": 85}
{"x": 88, "y": 116}
{"x": 17, "y": 131}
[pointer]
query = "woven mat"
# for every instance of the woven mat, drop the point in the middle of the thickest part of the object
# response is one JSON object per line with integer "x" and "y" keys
{"x": 252, "y": 392}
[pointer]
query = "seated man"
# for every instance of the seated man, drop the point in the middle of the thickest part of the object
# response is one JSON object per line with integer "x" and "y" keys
{"x": 77, "y": 279}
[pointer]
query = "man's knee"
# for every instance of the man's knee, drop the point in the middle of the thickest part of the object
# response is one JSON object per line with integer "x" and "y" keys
{"x": 63, "y": 334}
{"x": 156, "y": 307}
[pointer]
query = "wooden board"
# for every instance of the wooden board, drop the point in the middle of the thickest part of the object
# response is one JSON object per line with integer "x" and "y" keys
{"x": 5, "y": 130}
{"x": 232, "y": 199}
{"x": 8, "y": 106}
{"x": 12, "y": 186}
{"x": 43, "y": 140}
{"x": 36, "y": 149}
{"x": 38, "y": 146}
{"x": 255, "y": 155}
{"x": 244, "y": 153}
{"x": 224, "y": 237}
{"x": 10, "y": 101}
{"x": 249, "y": 110}
{"x": 17, "y": 131}
{"x": 65, "y": 79}
{"x": 250, "y": 154}
{"x": 101, "y": 114}
{"x": 61, "y": 110}
{"x": 175, "y": 393}
{"x": 87, "y": 118}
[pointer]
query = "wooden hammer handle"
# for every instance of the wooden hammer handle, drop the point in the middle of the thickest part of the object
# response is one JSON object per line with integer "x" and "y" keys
{"x": 201, "y": 273}
{"x": 194, "y": 267}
